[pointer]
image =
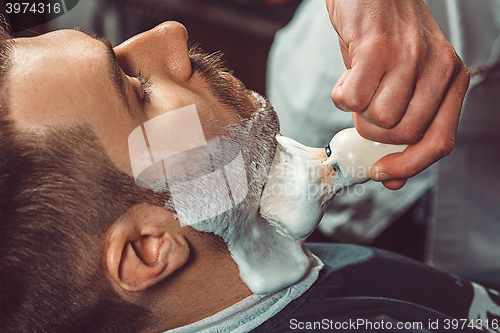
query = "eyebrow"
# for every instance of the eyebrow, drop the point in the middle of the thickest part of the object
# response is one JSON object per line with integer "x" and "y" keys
{"x": 115, "y": 72}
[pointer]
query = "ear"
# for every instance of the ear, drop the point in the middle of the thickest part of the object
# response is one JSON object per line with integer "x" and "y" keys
{"x": 145, "y": 246}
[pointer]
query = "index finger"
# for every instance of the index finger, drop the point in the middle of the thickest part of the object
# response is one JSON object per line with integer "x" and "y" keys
{"x": 357, "y": 86}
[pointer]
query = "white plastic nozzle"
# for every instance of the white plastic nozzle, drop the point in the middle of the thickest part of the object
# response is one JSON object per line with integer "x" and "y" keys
{"x": 355, "y": 155}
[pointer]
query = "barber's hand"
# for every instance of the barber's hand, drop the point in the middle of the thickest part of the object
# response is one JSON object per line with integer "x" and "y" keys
{"x": 404, "y": 82}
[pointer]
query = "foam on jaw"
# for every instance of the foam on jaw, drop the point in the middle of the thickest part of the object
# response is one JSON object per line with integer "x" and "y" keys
{"x": 267, "y": 260}
{"x": 300, "y": 186}
{"x": 303, "y": 180}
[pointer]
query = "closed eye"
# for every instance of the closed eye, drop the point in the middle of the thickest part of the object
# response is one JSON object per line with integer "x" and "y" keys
{"x": 146, "y": 85}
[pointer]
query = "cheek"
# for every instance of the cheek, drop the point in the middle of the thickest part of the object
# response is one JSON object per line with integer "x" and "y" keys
{"x": 214, "y": 116}
{"x": 113, "y": 129}
{"x": 215, "y": 119}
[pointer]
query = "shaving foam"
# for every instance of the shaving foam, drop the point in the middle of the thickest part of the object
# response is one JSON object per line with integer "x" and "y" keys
{"x": 303, "y": 180}
{"x": 267, "y": 260}
{"x": 300, "y": 186}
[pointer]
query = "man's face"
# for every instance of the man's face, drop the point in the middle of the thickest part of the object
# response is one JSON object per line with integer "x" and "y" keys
{"x": 67, "y": 77}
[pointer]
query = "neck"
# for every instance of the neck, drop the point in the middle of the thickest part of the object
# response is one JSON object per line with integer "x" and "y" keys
{"x": 209, "y": 282}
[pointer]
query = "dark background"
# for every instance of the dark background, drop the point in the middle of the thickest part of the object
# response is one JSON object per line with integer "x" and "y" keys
{"x": 242, "y": 29}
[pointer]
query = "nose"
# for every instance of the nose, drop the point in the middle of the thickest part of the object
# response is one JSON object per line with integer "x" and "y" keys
{"x": 159, "y": 51}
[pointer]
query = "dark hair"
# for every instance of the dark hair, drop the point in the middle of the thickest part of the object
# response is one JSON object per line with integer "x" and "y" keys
{"x": 59, "y": 194}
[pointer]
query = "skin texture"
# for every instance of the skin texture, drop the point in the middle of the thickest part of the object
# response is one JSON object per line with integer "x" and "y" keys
{"x": 61, "y": 79}
{"x": 404, "y": 82}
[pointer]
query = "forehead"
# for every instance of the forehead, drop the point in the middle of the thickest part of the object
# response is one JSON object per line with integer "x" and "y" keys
{"x": 62, "y": 68}
{"x": 61, "y": 79}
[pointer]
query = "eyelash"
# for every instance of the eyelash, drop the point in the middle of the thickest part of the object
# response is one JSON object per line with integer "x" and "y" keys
{"x": 146, "y": 83}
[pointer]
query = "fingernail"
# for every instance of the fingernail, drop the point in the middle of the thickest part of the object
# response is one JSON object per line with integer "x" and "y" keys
{"x": 381, "y": 177}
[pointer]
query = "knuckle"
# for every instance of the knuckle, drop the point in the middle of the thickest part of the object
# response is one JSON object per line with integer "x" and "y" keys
{"x": 334, "y": 94}
{"x": 357, "y": 103}
{"x": 464, "y": 76}
{"x": 443, "y": 147}
{"x": 384, "y": 120}
{"x": 466, "y": 79}
{"x": 417, "y": 47}
{"x": 378, "y": 42}
{"x": 338, "y": 100}
{"x": 449, "y": 63}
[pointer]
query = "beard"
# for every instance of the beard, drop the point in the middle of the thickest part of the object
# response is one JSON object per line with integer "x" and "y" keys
{"x": 253, "y": 139}
{"x": 254, "y": 133}
{"x": 222, "y": 84}
{"x": 224, "y": 178}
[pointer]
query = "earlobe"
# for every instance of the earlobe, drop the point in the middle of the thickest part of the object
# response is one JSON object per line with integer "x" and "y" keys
{"x": 145, "y": 247}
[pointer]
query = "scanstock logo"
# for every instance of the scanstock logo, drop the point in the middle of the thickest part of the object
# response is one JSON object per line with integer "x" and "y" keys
{"x": 22, "y": 14}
